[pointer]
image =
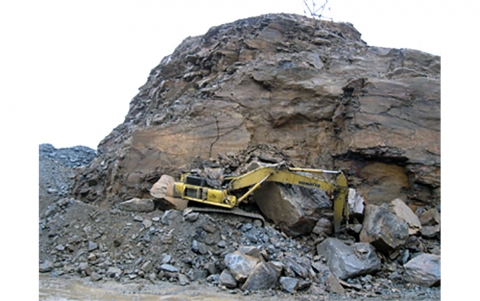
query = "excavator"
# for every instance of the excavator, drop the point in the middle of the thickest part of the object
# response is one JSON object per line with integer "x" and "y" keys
{"x": 233, "y": 190}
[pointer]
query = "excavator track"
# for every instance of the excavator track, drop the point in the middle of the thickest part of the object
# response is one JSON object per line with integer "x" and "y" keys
{"x": 234, "y": 211}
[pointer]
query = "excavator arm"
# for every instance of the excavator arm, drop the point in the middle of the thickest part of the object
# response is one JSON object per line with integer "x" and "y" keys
{"x": 195, "y": 188}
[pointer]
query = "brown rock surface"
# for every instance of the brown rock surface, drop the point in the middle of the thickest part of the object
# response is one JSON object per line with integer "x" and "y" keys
{"x": 311, "y": 88}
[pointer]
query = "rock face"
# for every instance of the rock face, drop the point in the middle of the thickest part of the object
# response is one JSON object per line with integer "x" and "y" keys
{"x": 311, "y": 88}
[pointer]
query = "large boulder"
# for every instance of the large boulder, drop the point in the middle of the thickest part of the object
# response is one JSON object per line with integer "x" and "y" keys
{"x": 423, "y": 270}
{"x": 383, "y": 229}
{"x": 312, "y": 88}
{"x": 349, "y": 261}
{"x": 263, "y": 276}
{"x": 296, "y": 210}
{"x": 403, "y": 211}
{"x": 240, "y": 265}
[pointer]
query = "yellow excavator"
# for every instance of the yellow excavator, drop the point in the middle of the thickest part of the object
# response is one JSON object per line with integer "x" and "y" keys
{"x": 194, "y": 187}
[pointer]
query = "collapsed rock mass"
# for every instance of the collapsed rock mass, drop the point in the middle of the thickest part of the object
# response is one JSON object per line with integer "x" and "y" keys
{"x": 274, "y": 88}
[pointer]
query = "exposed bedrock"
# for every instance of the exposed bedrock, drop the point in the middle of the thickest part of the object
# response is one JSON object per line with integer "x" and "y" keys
{"x": 311, "y": 88}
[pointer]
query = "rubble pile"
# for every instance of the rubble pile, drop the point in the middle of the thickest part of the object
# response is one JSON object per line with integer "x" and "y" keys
{"x": 138, "y": 242}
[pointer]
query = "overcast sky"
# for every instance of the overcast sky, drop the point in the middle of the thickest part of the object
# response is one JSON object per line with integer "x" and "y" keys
{"x": 75, "y": 65}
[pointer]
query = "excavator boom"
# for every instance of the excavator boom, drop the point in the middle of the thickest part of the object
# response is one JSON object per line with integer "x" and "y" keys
{"x": 195, "y": 188}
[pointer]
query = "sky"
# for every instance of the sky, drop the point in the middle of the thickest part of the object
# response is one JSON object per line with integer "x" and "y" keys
{"x": 76, "y": 65}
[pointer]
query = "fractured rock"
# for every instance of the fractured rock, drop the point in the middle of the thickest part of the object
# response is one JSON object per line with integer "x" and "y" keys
{"x": 289, "y": 284}
{"x": 298, "y": 266}
{"x": 430, "y": 231}
{"x": 251, "y": 251}
{"x": 46, "y": 267}
{"x": 333, "y": 285}
{"x": 240, "y": 265}
{"x": 403, "y": 211}
{"x": 296, "y": 210}
{"x": 95, "y": 276}
{"x": 183, "y": 280}
{"x": 347, "y": 262}
{"x": 324, "y": 225}
{"x": 168, "y": 268}
{"x": 430, "y": 217}
{"x": 137, "y": 205}
{"x": 423, "y": 270}
{"x": 114, "y": 272}
{"x": 355, "y": 202}
{"x": 227, "y": 279}
{"x": 383, "y": 229}
{"x": 263, "y": 276}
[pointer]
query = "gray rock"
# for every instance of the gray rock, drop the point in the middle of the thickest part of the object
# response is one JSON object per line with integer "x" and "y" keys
{"x": 147, "y": 266}
{"x": 183, "y": 280}
{"x": 240, "y": 265}
{"x": 430, "y": 217}
{"x": 423, "y": 270}
{"x": 324, "y": 225}
{"x": 199, "y": 247}
{"x": 289, "y": 284}
{"x": 430, "y": 231}
{"x": 168, "y": 268}
{"x": 45, "y": 267}
{"x": 251, "y": 250}
{"x": 303, "y": 284}
{"x": 114, "y": 272}
{"x": 347, "y": 262}
{"x": 202, "y": 248}
{"x": 166, "y": 258}
{"x": 334, "y": 286}
{"x": 92, "y": 246}
{"x": 263, "y": 276}
{"x": 295, "y": 209}
{"x": 95, "y": 276}
{"x": 147, "y": 223}
{"x": 211, "y": 268}
{"x": 383, "y": 229}
{"x": 213, "y": 278}
{"x": 227, "y": 279}
{"x": 170, "y": 215}
{"x": 191, "y": 217}
{"x": 195, "y": 246}
{"x": 299, "y": 266}
{"x": 137, "y": 205}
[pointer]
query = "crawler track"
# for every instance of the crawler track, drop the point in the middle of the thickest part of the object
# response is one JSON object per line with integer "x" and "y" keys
{"x": 234, "y": 211}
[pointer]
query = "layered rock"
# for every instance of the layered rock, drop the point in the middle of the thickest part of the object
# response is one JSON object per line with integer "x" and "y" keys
{"x": 311, "y": 88}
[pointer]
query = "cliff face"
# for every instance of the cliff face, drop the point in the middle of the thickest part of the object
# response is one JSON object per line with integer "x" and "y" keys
{"x": 312, "y": 89}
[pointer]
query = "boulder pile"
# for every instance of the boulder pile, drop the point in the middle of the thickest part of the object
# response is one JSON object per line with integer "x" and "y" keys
{"x": 270, "y": 89}
{"x": 135, "y": 242}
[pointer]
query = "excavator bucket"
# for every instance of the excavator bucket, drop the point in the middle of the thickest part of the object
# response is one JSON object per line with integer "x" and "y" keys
{"x": 164, "y": 192}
